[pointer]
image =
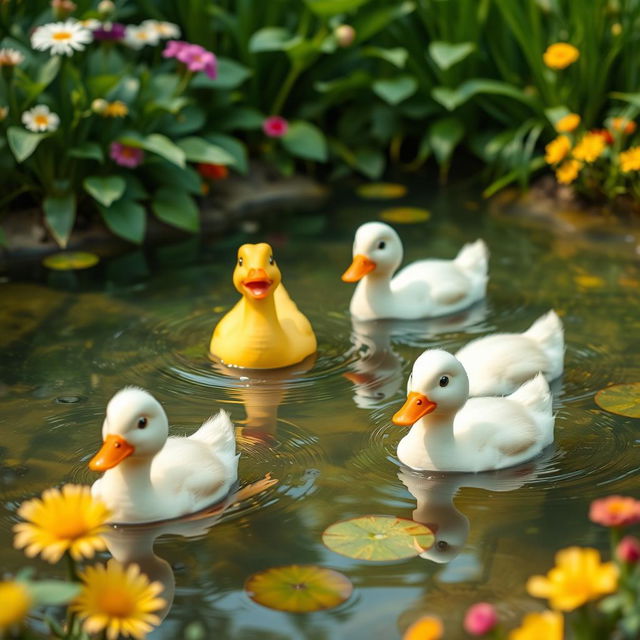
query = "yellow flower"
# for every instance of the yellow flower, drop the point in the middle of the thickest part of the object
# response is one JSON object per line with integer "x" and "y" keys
{"x": 630, "y": 160}
{"x": 426, "y": 628}
{"x": 557, "y": 150}
{"x": 578, "y": 577}
{"x": 560, "y": 55}
{"x": 16, "y": 602}
{"x": 117, "y": 109}
{"x": 62, "y": 520}
{"x": 568, "y": 171}
{"x": 590, "y": 147}
{"x": 536, "y": 626}
{"x": 118, "y": 599}
{"x": 569, "y": 123}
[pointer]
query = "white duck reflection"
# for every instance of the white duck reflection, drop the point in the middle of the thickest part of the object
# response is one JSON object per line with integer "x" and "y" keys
{"x": 435, "y": 493}
{"x": 377, "y": 372}
{"x": 134, "y": 544}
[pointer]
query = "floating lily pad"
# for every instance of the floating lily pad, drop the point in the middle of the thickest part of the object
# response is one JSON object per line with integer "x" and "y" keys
{"x": 70, "y": 260}
{"x": 298, "y": 588}
{"x": 382, "y": 190}
{"x": 589, "y": 282}
{"x": 622, "y": 399}
{"x": 405, "y": 215}
{"x": 378, "y": 538}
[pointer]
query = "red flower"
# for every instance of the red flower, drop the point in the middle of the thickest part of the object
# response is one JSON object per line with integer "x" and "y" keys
{"x": 213, "y": 171}
{"x": 615, "y": 511}
{"x": 480, "y": 619}
{"x": 604, "y": 133}
{"x": 275, "y": 126}
{"x": 628, "y": 550}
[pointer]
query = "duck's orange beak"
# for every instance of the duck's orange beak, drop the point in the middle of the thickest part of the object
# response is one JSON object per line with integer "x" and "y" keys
{"x": 257, "y": 283}
{"x": 359, "y": 268}
{"x": 114, "y": 450}
{"x": 413, "y": 409}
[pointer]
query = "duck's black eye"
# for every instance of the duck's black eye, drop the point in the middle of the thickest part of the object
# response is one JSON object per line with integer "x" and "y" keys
{"x": 382, "y": 244}
{"x": 442, "y": 545}
{"x": 240, "y": 262}
{"x": 271, "y": 260}
{"x": 444, "y": 381}
{"x": 142, "y": 422}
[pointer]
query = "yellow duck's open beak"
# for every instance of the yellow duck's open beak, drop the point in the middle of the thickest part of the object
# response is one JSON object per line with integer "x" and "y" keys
{"x": 359, "y": 268}
{"x": 114, "y": 450}
{"x": 258, "y": 283}
{"x": 416, "y": 406}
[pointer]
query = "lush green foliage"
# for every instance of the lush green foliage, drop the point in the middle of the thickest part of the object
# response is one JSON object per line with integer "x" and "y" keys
{"x": 361, "y": 84}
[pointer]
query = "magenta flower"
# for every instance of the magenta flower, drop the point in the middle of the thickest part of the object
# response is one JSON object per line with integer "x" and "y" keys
{"x": 126, "y": 156}
{"x": 110, "y": 31}
{"x": 193, "y": 56}
{"x": 628, "y": 550}
{"x": 480, "y": 619}
{"x": 275, "y": 126}
{"x": 173, "y": 48}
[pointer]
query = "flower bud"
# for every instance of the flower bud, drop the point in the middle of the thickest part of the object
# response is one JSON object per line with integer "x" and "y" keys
{"x": 106, "y": 8}
{"x": 63, "y": 8}
{"x": 480, "y": 619}
{"x": 99, "y": 105}
{"x": 345, "y": 34}
{"x": 628, "y": 550}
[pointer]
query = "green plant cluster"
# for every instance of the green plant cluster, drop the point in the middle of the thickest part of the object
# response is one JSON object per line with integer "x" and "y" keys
{"x": 362, "y": 84}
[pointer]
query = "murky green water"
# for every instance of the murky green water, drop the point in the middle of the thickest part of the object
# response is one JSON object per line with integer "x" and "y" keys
{"x": 69, "y": 341}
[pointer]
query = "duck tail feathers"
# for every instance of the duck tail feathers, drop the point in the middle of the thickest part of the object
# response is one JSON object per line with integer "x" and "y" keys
{"x": 473, "y": 258}
{"x": 548, "y": 333}
{"x": 218, "y": 433}
{"x": 534, "y": 395}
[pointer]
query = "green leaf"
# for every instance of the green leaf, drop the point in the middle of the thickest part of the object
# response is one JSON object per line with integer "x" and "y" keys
{"x": 444, "y": 136}
{"x": 631, "y": 98}
{"x": 397, "y": 57}
{"x": 368, "y": 24}
{"x": 48, "y": 72}
{"x": 448, "y": 54}
{"x": 168, "y": 175}
{"x": 59, "y": 216}
{"x": 621, "y": 399}
{"x": 231, "y": 74}
{"x": 105, "y": 189}
{"x": 199, "y": 150}
{"x": 156, "y": 143}
{"x": 395, "y": 90}
{"x": 370, "y": 162}
{"x": 53, "y": 592}
{"x": 176, "y": 208}
{"x": 453, "y": 98}
{"x": 23, "y": 143}
{"x": 126, "y": 219}
{"x": 270, "y": 39}
{"x": 234, "y": 148}
{"x": 88, "y": 150}
{"x": 305, "y": 140}
{"x": 243, "y": 118}
{"x": 332, "y": 7}
{"x": 356, "y": 80}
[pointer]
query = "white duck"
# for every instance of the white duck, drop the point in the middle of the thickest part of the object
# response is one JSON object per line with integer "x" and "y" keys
{"x": 422, "y": 289}
{"x": 149, "y": 476}
{"x": 500, "y": 363}
{"x": 451, "y": 432}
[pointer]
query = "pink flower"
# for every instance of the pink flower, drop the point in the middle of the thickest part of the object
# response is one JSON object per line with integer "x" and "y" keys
{"x": 125, "y": 155}
{"x": 615, "y": 511}
{"x": 173, "y": 48}
{"x": 193, "y": 56}
{"x": 628, "y": 550}
{"x": 480, "y": 619}
{"x": 275, "y": 126}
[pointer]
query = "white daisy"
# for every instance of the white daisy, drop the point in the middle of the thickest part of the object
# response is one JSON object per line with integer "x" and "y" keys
{"x": 10, "y": 57}
{"x": 61, "y": 38}
{"x": 140, "y": 36}
{"x": 40, "y": 118}
{"x": 165, "y": 30}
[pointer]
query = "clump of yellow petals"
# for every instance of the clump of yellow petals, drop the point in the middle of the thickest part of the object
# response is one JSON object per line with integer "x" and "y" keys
{"x": 63, "y": 520}
{"x": 577, "y": 578}
{"x": 556, "y": 151}
{"x": 590, "y": 147}
{"x": 426, "y": 628}
{"x": 568, "y": 171}
{"x": 116, "y": 109}
{"x": 536, "y": 626}
{"x": 623, "y": 124}
{"x": 568, "y": 123}
{"x": 118, "y": 600}
{"x": 560, "y": 55}
{"x": 16, "y": 602}
{"x": 630, "y": 160}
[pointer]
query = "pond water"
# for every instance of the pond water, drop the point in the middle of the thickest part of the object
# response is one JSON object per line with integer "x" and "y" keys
{"x": 68, "y": 341}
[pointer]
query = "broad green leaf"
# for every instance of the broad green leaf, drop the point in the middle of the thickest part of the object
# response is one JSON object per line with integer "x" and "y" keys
{"x": 396, "y": 57}
{"x": 305, "y": 140}
{"x": 270, "y": 39}
{"x": 631, "y": 98}
{"x": 176, "y": 208}
{"x": 378, "y": 538}
{"x": 48, "y": 71}
{"x": 156, "y": 143}
{"x": 105, "y": 189}
{"x": 59, "y": 216}
{"x": 448, "y": 54}
{"x": 168, "y": 175}
{"x": 199, "y": 150}
{"x": 243, "y": 118}
{"x": 231, "y": 74}
{"x": 234, "y": 147}
{"x": 368, "y": 23}
{"x": 370, "y": 162}
{"x": 453, "y": 98}
{"x": 126, "y": 219}
{"x": 621, "y": 399}
{"x": 299, "y": 588}
{"x": 356, "y": 80}
{"x": 53, "y": 592}
{"x": 332, "y": 7}
{"x": 395, "y": 90}
{"x": 88, "y": 150}
{"x": 444, "y": 136}
{"x": 190, "y": 120}
{"x": 23, "y": 143}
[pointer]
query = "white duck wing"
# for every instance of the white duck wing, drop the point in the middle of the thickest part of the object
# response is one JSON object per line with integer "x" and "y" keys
{"x": 437, "y": 280}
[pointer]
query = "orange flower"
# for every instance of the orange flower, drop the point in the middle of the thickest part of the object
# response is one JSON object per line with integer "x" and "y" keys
{"x": 547, "y": 625}
{"x": 568, "y": 123}
{"x": 630, "y": 160}
{"x": 605, "y": 134}
{"x": 212, "y": 171}
{"x": 426, "y": 628}
{"x": 589, "y": 148}
{"x": 568, "y": 171}
{"x": 615, "y": 511}
{"x": 623, "y": 124}
{"x": 560, "y": 55}
{"x": 557, "y": 150}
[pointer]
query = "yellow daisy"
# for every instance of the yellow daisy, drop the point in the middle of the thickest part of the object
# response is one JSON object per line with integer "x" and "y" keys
{"x": 535, "y": 626}
{"x": 568, "y": 171}
{"x": 557, "y": 150}
{"x": 117, "y": 109}
{"x": 16, "y": 602}
{"x": 630, "y": 160}
{"x": 62, "y": 520}
{"x": 590, "y": 147}
{"x": 119, "y": 600}
{"x": 568, "y": 123}
{"x": 560, "y": 55}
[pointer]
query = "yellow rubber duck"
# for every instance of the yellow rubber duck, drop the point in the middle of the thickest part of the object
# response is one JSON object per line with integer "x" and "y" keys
{"x": 264, "y": 330}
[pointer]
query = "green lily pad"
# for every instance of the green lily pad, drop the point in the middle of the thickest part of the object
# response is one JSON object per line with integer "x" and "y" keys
{"x": 405, "y": 215}
{"x": 621, "y": 399}
{"x": 70, "y": 260}
{"x": 381, "y": 190}
{"x": 298, "y": 588}
{"x": 378, "y": 538}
